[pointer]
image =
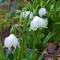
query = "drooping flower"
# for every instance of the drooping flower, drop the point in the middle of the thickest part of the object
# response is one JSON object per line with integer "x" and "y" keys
{"x": 37, "y": 22}
{"x": 27, "y": 14}
{"x": 34, "y": 25}
{"x": 11, "y": 41}
{"x": 42, "y": 12}
{"x": 43, "y": 23}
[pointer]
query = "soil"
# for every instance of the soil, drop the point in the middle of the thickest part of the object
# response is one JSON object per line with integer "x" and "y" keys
{"x": 52, "y": 52}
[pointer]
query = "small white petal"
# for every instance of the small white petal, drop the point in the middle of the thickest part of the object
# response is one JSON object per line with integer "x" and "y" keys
{"x": 7, "y": 43}
{"x": 31, "y": 15}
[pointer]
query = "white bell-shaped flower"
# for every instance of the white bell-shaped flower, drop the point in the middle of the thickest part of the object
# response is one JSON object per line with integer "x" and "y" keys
{"x": 27, "y": 14}
{"x": 11, "y": 41}
{"x": 37, "y": 22}
{"x": 34, "y": 25}
{"x": 42, "y": 12}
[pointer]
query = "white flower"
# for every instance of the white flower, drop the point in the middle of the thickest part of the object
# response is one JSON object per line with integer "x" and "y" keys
{"x": 43, "y": 23}
{"x": 27, "y": 14}
{"x": 42, "y": 12}
{"x": 36, "y": 23}
{"x": 11, "y": 41}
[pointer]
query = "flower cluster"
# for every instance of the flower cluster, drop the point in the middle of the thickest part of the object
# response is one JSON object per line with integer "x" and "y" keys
{"x": 38, "y": 22}
{"x": 27, "y": 14}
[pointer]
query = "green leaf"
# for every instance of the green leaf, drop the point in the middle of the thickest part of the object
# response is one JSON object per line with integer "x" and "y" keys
{"x": 47, "y": 38}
